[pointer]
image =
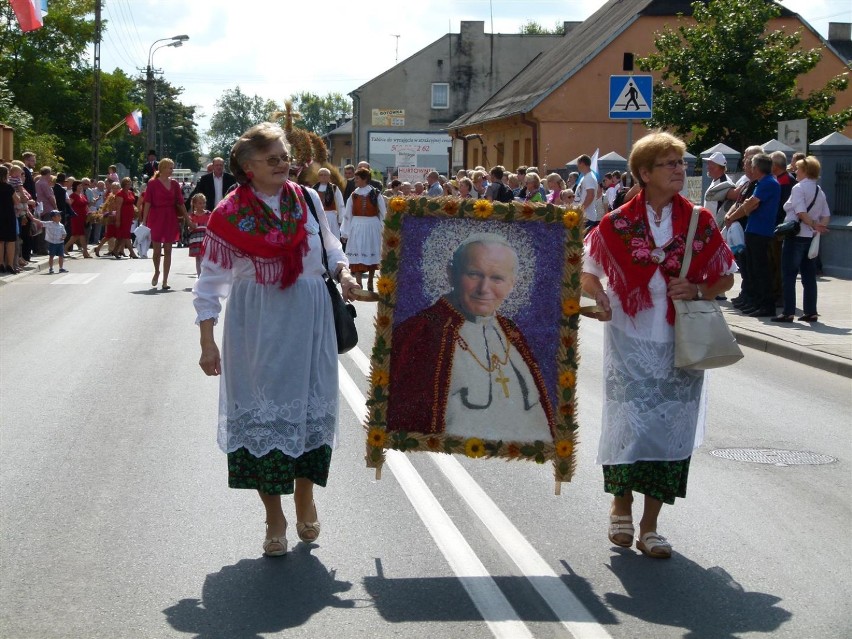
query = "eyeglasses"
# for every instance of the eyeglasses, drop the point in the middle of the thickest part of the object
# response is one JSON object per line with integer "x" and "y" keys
{"x": 671, "y": 165}
{"x": 274, "y": 160}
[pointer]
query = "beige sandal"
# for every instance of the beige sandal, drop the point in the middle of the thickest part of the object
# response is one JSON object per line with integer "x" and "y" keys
{"x": 275, "y": 546}
{"x": 308, "y": 531}
{"x": 654, "y": 545}
{"x": 621, "y": 525}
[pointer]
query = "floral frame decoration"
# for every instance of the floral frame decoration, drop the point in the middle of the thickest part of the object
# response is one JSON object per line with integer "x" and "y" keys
{"x": 550, "y": 314}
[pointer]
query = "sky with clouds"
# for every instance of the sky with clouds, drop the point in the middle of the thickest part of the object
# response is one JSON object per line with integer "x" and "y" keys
{"x": 275, "y": 48}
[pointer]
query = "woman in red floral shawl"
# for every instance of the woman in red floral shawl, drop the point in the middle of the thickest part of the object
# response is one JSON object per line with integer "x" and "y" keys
{"x": 654, "y": 413}
{"x": 278, "y": 394}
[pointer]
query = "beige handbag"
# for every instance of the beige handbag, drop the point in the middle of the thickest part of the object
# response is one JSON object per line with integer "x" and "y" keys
{"x": 702, "y": 337}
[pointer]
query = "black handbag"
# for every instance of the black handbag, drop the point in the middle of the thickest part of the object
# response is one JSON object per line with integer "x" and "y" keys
{"x": 792, "y": 228}
{"x": 343, "y": 312}
{"x": 788, "y": 229}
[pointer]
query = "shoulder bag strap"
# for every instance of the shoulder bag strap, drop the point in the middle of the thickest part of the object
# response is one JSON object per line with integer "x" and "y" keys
{"x": 687, "y": 256}
{"x": 310, "y": 203}
{"x": 810, "y": 206}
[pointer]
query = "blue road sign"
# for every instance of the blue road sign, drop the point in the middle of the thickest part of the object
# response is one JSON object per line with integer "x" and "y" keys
{"x": 630, "y": 97}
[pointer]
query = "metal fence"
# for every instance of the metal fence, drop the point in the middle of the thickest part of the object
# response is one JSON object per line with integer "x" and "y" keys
{"x": 843, "y": 190}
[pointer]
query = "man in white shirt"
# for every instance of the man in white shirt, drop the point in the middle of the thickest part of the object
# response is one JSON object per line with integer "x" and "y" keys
{"x": 213, "y": 185}
{"x": 586, "y": 190}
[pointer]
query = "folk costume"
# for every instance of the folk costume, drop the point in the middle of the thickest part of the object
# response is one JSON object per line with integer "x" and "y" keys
{"x": 197, "y": 236}
{"x": 278, "y": 390}
{"x": 474, "y": 377}
{"x": 332, "y": 204}
{"x": 362, "y": 224}
{"x": 654, "y": 414}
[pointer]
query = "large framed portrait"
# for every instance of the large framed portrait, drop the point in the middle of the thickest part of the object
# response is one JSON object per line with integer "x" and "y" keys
{"x": 476, "y": 332}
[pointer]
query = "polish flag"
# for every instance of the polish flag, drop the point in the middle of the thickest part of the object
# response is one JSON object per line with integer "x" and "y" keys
{"x": 29, "y": 13}
{"x": 134, "y": 122}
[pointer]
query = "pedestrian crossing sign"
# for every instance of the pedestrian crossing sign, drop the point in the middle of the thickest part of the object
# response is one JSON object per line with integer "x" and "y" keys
{"x": 630, "y": 97}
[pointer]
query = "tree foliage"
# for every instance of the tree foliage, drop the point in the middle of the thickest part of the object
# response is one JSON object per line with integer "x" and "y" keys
{"x": 321, "y": 113}
{"x": 531, "y": 27}
{"x": 235, "y": 112}
{"x": 727, "y": 79}
{"x": 49, "y": 77}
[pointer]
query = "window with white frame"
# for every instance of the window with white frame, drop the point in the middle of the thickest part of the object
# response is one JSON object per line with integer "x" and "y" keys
{"x": 440, "y": 95}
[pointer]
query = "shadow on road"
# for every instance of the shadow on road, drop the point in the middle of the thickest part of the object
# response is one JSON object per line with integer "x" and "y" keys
{"x": 677, "y": 592}
{"x": 259, "y": 596}
{"x": 444, "y": 599}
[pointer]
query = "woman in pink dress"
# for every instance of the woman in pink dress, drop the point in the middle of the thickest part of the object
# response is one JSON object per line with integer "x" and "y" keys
{"x": 125, "y": 207}
{"x": 163, "y": 206}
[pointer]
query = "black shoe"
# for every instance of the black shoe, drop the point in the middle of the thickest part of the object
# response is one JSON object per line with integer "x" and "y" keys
{"x": 2, "y": 268}
{"x": 745, "y": 310}
{"x": 741, "y": 303}
{"x": 721, "y": 298}
{"x": 809, "y": 318}
{"x": 782, "y": 318}
{"x": 739, "y": 299}
{"x": 769, "y": 311}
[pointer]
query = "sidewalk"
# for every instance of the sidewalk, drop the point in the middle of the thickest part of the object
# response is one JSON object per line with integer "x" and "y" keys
{"x": 826, "y": 344}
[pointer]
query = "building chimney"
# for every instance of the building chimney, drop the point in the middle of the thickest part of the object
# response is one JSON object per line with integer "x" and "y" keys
{"x": 839, "y": 31}
{"x": 472, "y": 28}
{"x": 568, "y": 26}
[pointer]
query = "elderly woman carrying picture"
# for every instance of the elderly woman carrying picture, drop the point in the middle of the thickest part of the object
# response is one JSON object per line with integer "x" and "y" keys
{"x": 653, "y": 413}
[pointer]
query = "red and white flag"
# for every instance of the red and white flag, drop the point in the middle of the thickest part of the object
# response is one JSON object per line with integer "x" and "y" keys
{"x": 134, "y": 122}
{"x": 29, "y": 13}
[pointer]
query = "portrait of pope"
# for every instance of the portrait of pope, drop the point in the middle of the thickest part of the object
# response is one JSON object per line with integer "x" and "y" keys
{"x": 461, "y": 368}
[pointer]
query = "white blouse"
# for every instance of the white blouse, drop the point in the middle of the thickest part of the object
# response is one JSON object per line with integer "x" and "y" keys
{"x": 215, "y": 282}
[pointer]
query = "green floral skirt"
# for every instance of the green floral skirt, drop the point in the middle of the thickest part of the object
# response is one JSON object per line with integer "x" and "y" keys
{"x": 663, "y": 480}
{"x": 275, "y": 472}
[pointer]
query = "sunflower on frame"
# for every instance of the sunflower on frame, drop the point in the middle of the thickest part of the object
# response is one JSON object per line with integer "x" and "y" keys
{"x": 476, "y": 332}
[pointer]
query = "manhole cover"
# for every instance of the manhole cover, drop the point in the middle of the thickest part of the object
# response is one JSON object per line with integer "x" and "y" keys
{"x": 773, "y": 456}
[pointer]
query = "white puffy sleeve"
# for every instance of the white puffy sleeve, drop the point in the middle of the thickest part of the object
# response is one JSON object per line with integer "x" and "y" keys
{"x": 333, "y": 248}
{"x": 211, "y": 287}
{"x": 346, "y": 218}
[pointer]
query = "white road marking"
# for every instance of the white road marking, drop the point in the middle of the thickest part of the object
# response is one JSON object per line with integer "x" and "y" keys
{"x": 498, "y": 613}
{"x": 569, "y": 610}
{"x": 75, "y": 278}
{"x": 139, "y": 278}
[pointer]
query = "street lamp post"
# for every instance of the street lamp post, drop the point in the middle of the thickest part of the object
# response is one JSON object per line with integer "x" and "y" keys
{"x": 150, "y": 130}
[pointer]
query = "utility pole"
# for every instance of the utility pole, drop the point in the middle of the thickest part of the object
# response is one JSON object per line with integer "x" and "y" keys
{"x": 96, "y": 96}
{"x": 150, "y": 129}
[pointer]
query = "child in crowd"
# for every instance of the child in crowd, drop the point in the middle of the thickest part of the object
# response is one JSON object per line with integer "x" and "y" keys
{"x": 199, "y": 216}
{"x": 567, "y": 197}
{"x": 55, "y": 238}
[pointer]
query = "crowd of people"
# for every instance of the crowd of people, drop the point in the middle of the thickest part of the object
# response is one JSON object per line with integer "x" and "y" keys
{"x": 125, "y": 215}
{"x": 770, "y": 192}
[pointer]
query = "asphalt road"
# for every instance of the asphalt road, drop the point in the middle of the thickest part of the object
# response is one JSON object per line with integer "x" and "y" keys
{"x": 116, "y": 520}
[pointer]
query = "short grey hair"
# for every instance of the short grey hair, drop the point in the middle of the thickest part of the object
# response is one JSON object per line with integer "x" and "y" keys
{"x": 258, "y": 138}
{"x": 485, "y": 239}
{"x": 779, "y": 159}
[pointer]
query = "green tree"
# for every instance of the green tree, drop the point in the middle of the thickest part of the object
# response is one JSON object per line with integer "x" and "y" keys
{"x": 727, "y": 79}
{"x": 321, "y": 113}
{"x": 235, "y": 112}
{"x": 531, "y": 27}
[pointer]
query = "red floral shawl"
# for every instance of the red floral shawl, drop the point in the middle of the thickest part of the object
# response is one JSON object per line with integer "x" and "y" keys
{"x": 241, "y": 225}
{"x": 624, "y": 246}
